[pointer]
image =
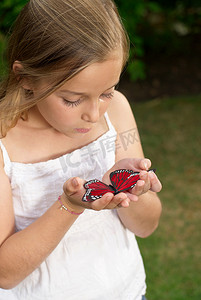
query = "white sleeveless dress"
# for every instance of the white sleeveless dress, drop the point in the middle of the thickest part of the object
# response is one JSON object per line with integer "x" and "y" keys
{"x": 98, "y": 258}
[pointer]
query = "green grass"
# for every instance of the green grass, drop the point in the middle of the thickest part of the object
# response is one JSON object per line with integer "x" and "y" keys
{"x": 170, "y": 131}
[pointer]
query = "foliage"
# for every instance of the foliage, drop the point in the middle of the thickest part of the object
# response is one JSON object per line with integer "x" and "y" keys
{"x": 152, "y": 26}
{"x": 9, "y": 10}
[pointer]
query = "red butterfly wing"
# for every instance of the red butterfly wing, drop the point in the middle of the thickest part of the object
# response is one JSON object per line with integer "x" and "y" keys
{"x": 123, "y": 179}
{"x": 95, "y": 190}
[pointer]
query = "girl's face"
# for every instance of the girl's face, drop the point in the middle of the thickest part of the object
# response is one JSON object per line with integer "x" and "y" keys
{"x": 76, "y": 107}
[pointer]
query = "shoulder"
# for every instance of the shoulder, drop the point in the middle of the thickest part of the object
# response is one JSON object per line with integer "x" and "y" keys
{"x": 122, "y": 118}
{"x": 1, "y": 152}
{"x": 120, "y": 113}
{"x": 1, "y": 159}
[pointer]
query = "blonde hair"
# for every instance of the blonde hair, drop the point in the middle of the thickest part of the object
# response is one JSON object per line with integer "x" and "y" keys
{"x": 55, "y": 40}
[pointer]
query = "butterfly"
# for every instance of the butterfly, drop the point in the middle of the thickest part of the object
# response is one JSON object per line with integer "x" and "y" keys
{"x": 122, "y": 180}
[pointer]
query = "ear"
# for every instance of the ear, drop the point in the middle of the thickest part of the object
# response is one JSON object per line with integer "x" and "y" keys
{"x": 18, "y": 71}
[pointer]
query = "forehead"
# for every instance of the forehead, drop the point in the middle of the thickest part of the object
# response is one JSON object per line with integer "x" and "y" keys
{"x": 98, "y": 76}
{"x": 101, "y": 75}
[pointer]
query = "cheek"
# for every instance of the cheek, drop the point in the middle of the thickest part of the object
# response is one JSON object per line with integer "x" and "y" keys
{"x": 47, "y": 109}
{"x": 104, "y": 106}
{"x": 54, "y": 112}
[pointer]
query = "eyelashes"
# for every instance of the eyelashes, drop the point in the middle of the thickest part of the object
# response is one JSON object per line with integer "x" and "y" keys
{"x": 76, "y": 103}
{"x": 108, "y": 96}
{"x": 71, "y": 103}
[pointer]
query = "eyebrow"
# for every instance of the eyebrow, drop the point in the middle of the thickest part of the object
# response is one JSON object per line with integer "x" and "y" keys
{"x": 80, "y": 93}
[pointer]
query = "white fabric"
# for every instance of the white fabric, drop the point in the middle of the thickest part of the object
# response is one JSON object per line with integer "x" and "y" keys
{"x": 98, "y": 258}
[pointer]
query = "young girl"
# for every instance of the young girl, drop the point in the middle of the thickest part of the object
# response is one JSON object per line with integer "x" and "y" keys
{"x": 63, "y": 123}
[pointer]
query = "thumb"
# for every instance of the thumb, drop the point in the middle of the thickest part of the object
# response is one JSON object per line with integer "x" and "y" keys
{"x": 135, "y": 164}
{"x": 72, "y": 185}
{"x": 145, "y": 164}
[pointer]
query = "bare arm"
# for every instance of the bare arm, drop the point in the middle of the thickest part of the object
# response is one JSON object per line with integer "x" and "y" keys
{"x": 22, "y": 252}
{"x": 142, "y": 216}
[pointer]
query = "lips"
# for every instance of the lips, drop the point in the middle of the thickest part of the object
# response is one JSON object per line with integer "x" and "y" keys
{"x": 82, "y": 130}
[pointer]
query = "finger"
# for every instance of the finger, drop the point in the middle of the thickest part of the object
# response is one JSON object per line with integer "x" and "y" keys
{"x": 132, "y": 197}
{"x": 139, "y": 187}
{"x": 145, "y": 177}
{"x": 109, "y": 201}
{"x": 124, "y": 203}
{"x": 102, "y": 203}
{"x": 119, "y": 200}
{"x": 156, "y": 185}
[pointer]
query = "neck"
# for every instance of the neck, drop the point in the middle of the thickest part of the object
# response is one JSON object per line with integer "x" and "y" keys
{"x": 36, "y": 121}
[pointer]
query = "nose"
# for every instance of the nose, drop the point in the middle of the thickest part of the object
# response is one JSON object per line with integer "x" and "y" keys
{"x": 91, "y": 113}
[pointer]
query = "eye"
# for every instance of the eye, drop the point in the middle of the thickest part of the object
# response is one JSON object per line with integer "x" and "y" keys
{"x": 71, "y": 103}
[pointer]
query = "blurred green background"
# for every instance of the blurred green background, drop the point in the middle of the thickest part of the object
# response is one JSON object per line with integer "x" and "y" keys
{"x": 163, "y": 85}
{"x": 158, "y": 26}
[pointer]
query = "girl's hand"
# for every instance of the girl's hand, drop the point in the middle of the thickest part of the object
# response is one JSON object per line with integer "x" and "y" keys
{"x": 74, "y": 191}
{"x": 148, "y": 180}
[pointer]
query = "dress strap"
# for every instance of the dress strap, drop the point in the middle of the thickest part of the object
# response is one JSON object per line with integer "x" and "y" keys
{"x": 109, "y": 124}
{"x": 6, "y": 157}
